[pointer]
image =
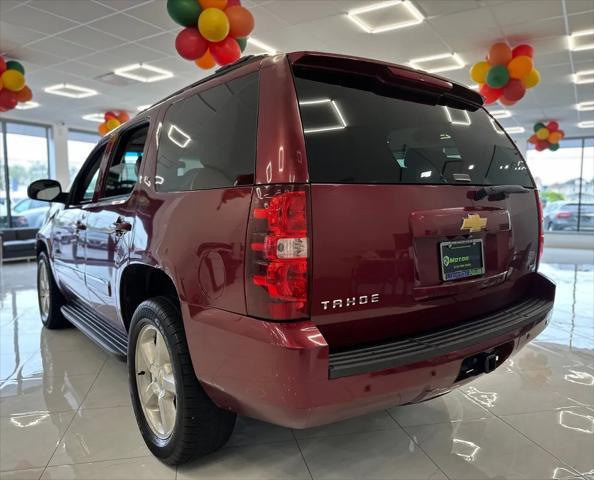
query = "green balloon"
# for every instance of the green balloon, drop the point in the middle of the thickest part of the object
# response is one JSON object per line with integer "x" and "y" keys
{"x": 14, "y": 65}
{"x": 242, "y": 43}
{"x": 184, "y": 12}
{"x": 554, "y": 146}
{"x": 497, "y": 76}
{"x": 538, "y": 126}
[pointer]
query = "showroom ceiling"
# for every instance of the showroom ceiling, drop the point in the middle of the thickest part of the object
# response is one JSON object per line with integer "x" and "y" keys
{"x": 82, "y": 42}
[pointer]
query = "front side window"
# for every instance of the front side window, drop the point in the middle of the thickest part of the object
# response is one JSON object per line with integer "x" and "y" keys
{"x": 122, "y": 173}
{"x": 84, "y": 186}
{"x": 208, "y": 140}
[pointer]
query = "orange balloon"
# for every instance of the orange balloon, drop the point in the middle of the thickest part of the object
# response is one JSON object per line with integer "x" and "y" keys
{"x": 24, "y": 95}
{"x": 555, "y": 137}
{"x": 499, "y": 54}
{"x": 520, "y": 67}
{"x": 220, "y": 4}
{"x": 102, "y": 129}
{"x": 241, "y": 21}
{"x": 206, "y": 61}
{"x": 123, "y": 117}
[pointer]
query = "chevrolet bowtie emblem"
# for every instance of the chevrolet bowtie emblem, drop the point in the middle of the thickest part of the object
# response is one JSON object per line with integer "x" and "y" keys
{"x": 473, "y": 223}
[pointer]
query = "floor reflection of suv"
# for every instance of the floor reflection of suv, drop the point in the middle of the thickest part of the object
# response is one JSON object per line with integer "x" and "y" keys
{"x": 300, "y": 239}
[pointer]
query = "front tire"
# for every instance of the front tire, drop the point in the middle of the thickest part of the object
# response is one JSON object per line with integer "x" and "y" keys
{"x": 177, "y": 419}
{"x": 49, "y": 296}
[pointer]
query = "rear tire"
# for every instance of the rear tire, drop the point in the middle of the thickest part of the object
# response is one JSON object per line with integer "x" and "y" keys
{"x": 177, "y": 419}
{"x": 49, "y": 296}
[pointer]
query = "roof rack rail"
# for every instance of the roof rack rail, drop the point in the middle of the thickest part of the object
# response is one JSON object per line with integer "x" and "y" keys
{"x": 221, "y": 71}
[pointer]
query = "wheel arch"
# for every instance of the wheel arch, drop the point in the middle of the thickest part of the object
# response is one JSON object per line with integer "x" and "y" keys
{"x": 138, "y": 283}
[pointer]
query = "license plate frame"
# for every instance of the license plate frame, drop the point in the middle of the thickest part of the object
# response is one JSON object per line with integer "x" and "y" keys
{"x": 460, "y": 273}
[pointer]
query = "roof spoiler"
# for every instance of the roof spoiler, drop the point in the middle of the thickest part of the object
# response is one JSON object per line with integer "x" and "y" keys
{"x": 389, "y": 74}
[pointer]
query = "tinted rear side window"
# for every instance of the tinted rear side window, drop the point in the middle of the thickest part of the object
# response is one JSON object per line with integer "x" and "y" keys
{"x": 358, "y": 136}
{"x": 208, "y": 140}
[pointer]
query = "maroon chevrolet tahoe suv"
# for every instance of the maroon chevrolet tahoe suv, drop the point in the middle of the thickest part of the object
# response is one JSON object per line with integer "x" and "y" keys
{"x": 300, "y": 239}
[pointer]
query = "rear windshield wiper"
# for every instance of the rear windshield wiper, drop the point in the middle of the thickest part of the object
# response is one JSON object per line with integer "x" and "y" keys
{"x": 499, "y": 192}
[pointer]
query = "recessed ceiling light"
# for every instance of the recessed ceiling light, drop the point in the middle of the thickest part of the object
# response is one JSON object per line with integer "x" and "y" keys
{"x": 94, "y": 117}
{"x": 512, "y": 130}
{"x": 584, "y": 76}
{"x": 582, "y": 40}
{"x": 27, "y": 105}
{"x": 457, "y": 117}
{"x": 143, "y": 107}
{"x": 143, "y": 73}
{"x": 443, "y": 62}
{"x": 501, "y": 113}
{"x": 69, "y": 90}
{"x": 585, "y": 106}
{"x": 402, "y": 14}
{"x": 586, "y": 124}
{"x": 262, "y": 46}
{"x": 474, "y": 86}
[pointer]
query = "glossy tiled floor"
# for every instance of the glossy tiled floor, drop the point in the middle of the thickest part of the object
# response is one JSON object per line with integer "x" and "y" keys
{"x": 65, "y": 411}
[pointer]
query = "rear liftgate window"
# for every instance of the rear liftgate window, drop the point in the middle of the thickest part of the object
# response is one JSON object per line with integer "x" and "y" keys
{"x": 358, "y": 136}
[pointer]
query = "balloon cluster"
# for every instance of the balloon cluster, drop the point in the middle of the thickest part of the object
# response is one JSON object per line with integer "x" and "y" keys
{"x": 12, "y": 85}
{"x": 506, "y": 74}
{"x": 546, "y": 136}
{"x": 112, "y": 121}
{"x": 215, "y": 30}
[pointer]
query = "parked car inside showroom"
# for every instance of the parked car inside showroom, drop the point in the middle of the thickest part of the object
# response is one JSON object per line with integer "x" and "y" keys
{"x": 298, "y": 238}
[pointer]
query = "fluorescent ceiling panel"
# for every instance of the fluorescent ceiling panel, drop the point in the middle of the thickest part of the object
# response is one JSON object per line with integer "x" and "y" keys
{"x": 27, "y": 105}
{"x": 458, "y": 117}
{"x": 584, "y": 76}
{"x": 501, "y": 113}
{"x": 585, "y": 106}
{"x": 513, "y": 130}
{"x": 385, "y": 16}
{"x": 586, "y": 124}
{"x": 262, "y": 46}
{"x": 330, "y": 104}
{"x": 69, "y": 90}
{"x": 583, "y": 40}
{"x": 444, "y": 62}
{"x": 94, "y": 117}
{"x": 143, "y": 73}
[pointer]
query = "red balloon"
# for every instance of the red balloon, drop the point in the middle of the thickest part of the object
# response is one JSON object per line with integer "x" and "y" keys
{"x": 490, "y": 94}
{"x": 506, "y": 101}
{"x": 8, "y": 99}
{"x": 225, "y": 52}
{"x": 542, "y": 145}
{"x": 562, "y": 133}
{"x": 533, "y": 139}
{"x": 190, "y": 44}
{"x": 2, "y": 65}
{"x": 514, "y": 90}
{"x": 523, "y": 49}
{"x": 233, "y": 3}
{"x": 109, "y": 115}
{"x": 553, "y": 126}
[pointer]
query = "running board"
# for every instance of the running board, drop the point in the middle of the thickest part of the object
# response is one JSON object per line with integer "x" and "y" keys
{"x": 96, "y": 328}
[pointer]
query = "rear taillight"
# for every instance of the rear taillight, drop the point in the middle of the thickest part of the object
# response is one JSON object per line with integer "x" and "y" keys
{"x": 540, "y": 227}
{"x": 563, "y": 214}
{"x": 278, "y": 249}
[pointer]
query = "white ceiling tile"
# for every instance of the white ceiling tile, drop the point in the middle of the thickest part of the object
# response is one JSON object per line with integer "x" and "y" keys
{"x": 154, "y": 13}
{"x": 25, "y": 16}
{"x": 90, "y": 38}
{"x": 121, "y": 56}
{"x": 579, "y": 6}
{"x": 37, "y": 57}
{"x": 433, "y": 8}
{"x": 122, "y": 5}
{"x": 534, "y": 29}
{"x": 79, "y": 10}
{"x": 81, "y": 69}
{"x": 469, "y": 22}
{"x": 265, "y": 21}
{"x": 299, "y": 11}
{"x": 126, "y": 27}
{"x": 62, "y": 47}
{"x": 583, "y": 21}
{"x": 164, "y": 42}
{"x": 12, "y": 36}
{"x": 520, "y": 11}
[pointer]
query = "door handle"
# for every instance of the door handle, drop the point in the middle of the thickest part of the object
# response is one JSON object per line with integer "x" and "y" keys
{"x": 121, "y": 226}
{"x": 79, "y": 225}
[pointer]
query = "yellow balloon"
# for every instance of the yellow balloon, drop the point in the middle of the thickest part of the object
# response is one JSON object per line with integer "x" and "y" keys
{"x": 519, "y": 67}
{"x": 555, "y": 137}
{"x": 542, "y": 134}
{"x": 532, "y": 79}
{"x": 213, "y": 24}
{"x": 13, "y": 80}
{"x": 478, "y": 72}
{"x": 112, "y": 123}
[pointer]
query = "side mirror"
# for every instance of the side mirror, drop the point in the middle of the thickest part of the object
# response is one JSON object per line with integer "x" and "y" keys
{"x": 46, "y": 191}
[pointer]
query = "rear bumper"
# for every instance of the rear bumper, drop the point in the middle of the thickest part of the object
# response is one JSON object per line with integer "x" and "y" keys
{"x": 285, "y": 374}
